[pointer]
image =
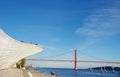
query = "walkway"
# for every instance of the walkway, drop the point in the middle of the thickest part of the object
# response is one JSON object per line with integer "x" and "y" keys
{"x": 13, "y": 72}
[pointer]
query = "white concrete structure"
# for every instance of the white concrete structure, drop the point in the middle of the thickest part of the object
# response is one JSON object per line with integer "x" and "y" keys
{"x": 11, "y": 51}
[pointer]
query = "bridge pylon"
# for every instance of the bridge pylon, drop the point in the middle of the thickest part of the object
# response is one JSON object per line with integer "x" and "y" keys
{"x": 75, "y": 59}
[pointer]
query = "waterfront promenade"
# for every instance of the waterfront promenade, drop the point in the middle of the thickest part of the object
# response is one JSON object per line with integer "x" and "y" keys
{"x": 14, "y": 72}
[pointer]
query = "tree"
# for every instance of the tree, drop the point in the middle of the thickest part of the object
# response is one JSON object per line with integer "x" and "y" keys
{"x": 21, "y": 63}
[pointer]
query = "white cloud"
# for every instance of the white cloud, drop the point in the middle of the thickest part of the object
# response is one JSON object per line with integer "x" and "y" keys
{"x": 101, "y": 24}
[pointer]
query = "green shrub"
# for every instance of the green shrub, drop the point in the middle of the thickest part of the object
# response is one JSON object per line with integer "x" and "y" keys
{"x": 21, "y": 63}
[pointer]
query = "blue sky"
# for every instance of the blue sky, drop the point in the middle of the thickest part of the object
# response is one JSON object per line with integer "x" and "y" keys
{"x": 90, "y": 26}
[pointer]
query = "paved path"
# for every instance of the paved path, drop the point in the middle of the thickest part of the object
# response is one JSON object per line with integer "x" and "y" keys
{"x": 13, "y": 72}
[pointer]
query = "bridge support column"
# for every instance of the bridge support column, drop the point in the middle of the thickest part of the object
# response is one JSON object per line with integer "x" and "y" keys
{"x": 75, "y": 59}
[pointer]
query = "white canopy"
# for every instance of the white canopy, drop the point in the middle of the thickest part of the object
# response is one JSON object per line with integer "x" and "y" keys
{"x": 11, "y": 51}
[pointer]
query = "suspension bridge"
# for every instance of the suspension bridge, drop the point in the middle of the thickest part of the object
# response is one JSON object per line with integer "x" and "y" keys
{"x": 75, "y": 60}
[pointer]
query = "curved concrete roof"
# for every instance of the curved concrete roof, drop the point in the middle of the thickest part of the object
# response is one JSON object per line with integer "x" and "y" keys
{"x": 11, "y": 51}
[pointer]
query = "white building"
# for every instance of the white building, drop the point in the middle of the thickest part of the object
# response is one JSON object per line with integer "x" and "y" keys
{"x": 11, "y": 51}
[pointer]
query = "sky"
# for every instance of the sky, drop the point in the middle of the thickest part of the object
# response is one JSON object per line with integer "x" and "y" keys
{"x": 61, "y": 26}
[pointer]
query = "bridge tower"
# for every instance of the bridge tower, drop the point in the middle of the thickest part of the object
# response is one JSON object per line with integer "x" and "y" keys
{"x": 75, "y": 59}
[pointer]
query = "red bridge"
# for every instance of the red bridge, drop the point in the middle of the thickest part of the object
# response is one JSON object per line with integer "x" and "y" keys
{"x": 75, "y": 60}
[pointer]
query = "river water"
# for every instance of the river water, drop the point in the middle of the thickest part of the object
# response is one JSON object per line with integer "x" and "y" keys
{"x": 65, "y": 72}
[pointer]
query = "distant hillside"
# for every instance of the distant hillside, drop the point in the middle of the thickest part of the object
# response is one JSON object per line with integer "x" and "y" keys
{"x": 108, "y": 68}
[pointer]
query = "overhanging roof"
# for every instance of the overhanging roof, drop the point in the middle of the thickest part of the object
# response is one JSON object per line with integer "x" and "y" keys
{"x": 11, "y": 51}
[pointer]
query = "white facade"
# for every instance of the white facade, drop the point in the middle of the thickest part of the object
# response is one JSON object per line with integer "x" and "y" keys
{"x": 11, "y": 51}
